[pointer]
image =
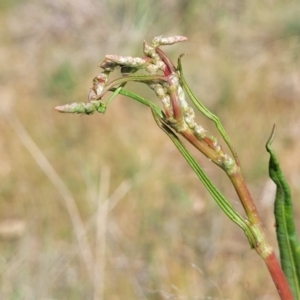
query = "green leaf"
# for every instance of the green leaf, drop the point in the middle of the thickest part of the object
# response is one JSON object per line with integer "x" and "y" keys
{"x": 287, "y": 236}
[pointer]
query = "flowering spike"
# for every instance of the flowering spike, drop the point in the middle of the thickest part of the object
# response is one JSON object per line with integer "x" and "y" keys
{"x": 151, "y": 52}
{"x": 82, "y": 108}
{"x": 128, "y": 61}
{"x": 164, "y": 98}
{"x": 160, "y": 40}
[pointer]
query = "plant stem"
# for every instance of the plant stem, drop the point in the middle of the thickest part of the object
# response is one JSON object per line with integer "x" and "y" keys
{"x": 244, "y": 195}
{"x": 262, "y": 247}
{"x": 278, "y": 277}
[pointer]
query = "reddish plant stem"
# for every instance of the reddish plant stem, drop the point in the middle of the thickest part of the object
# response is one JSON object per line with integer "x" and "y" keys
{"x": 173, "y": 88}
{"x": 245, "y": 196}
{"x": 202, "y": 146}
{"x": 278, "y": 277}
{"x": 263, "y": 248}
{"x": 169, "y": 64}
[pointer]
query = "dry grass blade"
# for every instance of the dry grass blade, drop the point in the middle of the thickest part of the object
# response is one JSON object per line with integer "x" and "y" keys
{"x": 65, "y": 193}
{"x": 100, "y": 251}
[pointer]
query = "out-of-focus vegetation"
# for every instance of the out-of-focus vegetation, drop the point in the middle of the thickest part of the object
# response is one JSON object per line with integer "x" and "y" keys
{"x": 165, "y": 237}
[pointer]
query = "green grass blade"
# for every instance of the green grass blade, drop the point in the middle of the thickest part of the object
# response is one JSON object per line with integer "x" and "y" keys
{"x": 287, "y": 236}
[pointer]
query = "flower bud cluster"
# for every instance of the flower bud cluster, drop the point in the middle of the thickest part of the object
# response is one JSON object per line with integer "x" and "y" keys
{"x": 161, "y": 76}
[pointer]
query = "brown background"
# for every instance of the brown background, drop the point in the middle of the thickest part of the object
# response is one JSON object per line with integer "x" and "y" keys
{"x": 164, "y": 237}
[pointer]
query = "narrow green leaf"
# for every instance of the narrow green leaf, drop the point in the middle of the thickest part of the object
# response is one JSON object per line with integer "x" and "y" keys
{"x": 287, "y": 236}
{"x": 115, "y": 93}
{"x": 206, "y": 111}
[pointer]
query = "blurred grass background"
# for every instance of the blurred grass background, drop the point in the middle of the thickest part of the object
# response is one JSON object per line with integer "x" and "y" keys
{"x": 160, "y": 236}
